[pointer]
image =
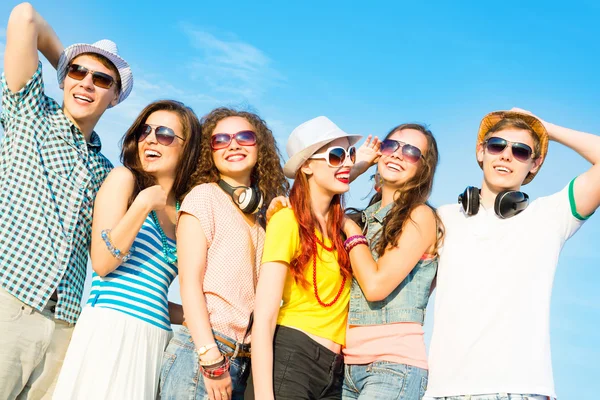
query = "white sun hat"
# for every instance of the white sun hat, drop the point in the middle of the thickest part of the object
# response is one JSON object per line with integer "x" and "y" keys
{"x": 309, "y": 137}
{"x": 106, "y": 48}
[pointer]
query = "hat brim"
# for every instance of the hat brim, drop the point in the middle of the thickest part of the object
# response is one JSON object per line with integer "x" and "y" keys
{"x": 291, "y": 166}
{"x": 80, "y": 48}
{"x": 491, "y": 119}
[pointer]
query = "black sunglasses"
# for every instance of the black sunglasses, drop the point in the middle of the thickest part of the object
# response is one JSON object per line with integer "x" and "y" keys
{"x": 99, "y": 79}
{"x": 496, "y": 145}
{"x": 164, "y": 135}
{"x": 409, "y": 152}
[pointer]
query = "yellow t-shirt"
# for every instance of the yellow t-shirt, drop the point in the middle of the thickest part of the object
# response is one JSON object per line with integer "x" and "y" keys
{"x": 300, "y": 308}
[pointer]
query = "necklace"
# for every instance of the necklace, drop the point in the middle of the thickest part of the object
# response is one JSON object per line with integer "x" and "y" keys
{"x": 169, "y": 252}
{"x": 339, "y": 293}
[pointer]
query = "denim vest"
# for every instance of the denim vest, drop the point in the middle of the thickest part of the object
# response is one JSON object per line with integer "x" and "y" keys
{"x": 407, "y": 303}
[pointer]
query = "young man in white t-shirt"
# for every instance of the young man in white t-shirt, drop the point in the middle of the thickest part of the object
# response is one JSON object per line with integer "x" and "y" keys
{"x": 491, "y": 333}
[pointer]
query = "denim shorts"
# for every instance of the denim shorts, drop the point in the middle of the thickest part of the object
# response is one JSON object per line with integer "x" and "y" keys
{"x": 383, "y": 380}
{"x": 180, "y": 375}
{"x": 304, "y": 369}
{"x": 496, "y": 396}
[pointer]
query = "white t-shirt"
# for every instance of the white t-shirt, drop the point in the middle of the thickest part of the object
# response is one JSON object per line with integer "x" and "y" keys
{"x": 491, "y": 330}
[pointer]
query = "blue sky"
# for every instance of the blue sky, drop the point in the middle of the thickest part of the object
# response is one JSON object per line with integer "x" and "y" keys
{"x": 369, "y": 68}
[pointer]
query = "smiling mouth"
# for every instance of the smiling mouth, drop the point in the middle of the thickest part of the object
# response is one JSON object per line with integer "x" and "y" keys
{"x": 502, "y": 170}
{"x": 235, "y": 157}
{"x": 343, "y": 177}
{"x": 152, "y": 155}
{"x": 394, "y": 167}
{"x": 83, "y": 98}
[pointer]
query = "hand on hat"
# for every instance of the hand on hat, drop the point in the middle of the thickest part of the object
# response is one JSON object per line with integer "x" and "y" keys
{"x": 547, "y": 125}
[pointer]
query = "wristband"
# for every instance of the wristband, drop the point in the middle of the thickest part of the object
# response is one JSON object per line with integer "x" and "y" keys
{"x": 216, "y": 371}
{"x": 353, "y": 241}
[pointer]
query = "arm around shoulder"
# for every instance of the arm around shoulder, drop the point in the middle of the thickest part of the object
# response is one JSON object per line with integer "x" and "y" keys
{"x": 418, "y": 236}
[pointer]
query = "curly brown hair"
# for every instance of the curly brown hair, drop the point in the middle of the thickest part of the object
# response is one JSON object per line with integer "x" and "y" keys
{"x": 267, "y": 174}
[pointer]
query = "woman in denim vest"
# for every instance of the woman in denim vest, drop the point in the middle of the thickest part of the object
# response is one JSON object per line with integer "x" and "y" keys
{"x": 385, "y": 353}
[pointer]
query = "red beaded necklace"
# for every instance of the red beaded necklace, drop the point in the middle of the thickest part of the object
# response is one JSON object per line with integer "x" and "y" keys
{"x": 339, "y": 293}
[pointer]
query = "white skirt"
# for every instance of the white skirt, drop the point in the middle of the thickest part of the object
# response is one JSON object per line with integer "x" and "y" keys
{"x": 112, "y": 355}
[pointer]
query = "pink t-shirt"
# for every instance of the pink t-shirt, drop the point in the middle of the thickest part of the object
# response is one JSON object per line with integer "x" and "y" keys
{"x": 401, "y": 343}
{"x": 233, "y": 258}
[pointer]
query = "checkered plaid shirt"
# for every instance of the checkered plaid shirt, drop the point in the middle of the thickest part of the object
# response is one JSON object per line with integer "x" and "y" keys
{"x": 49, "y": 177}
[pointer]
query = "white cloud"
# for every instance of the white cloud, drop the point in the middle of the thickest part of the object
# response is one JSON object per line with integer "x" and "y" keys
{"x": 231, "y": 68}
{"x": 224, "y": 72}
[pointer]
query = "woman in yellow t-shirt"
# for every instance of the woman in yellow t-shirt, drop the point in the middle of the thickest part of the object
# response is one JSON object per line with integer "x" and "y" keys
{"x": 296, "y": 344}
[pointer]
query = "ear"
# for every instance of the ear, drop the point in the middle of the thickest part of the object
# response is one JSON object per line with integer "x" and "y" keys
{"x": 536, "y": 165}
{"x": 115, "y": 100}
{"x": 306, "y": 169}
{"x": 480, "y": 152}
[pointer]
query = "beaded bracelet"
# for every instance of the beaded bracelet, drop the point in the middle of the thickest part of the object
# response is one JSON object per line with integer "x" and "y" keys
{"x": 210, "y": 363}
{"x": 116, "y": 253}
{"x": 354, "y": 241}
{"x": 215, "y": 372}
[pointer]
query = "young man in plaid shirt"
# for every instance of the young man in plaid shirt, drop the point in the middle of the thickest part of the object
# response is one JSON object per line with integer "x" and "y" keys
{"x": 50, "y": 170}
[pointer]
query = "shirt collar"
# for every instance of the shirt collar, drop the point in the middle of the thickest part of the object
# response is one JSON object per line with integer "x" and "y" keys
{"x": 373, "y": 212}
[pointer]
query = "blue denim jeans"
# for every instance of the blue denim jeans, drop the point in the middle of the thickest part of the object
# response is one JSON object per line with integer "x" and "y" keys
{"x": 496, "y": 396}
{"x": 180, "y": 375}
{"x": 383, "y": 380}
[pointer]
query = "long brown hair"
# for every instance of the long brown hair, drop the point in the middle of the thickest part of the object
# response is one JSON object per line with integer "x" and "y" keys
{"x": 413, "y": 193}
{"x": 300, "y": 202}
{"x": 267, "y": 174}
{"x": 189, "y": 155}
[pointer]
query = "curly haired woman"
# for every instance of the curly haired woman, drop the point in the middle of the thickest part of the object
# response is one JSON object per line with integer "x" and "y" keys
{"x": 220, "y": 237}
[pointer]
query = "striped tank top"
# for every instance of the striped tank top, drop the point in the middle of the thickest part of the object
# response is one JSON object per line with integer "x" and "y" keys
{"x": 140, "y": 286}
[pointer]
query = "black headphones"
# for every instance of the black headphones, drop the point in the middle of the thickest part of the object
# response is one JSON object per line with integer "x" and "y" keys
{"x": 248, "y": 199}
{"x": 508, "y": 203}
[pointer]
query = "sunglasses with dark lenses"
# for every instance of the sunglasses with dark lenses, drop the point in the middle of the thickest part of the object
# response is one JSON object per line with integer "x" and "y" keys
{"x": 411, "y": 153}
{"x": 220, "y": 141}
{"x": 520, "y": 151}
{"x": 336, "y": 156}
{"x": 99, "y": 79}
{"x": 164, "y": 135}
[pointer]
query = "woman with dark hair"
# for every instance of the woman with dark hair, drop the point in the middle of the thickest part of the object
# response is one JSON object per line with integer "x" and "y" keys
{"x": 220, "y": 236}
{"x": 117, "y": 345}
{"x": 297, "y": 347}
{"x": 385, "y": 350}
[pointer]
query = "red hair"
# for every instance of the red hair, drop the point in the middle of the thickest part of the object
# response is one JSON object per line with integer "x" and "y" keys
{"x": 300, "y": 201}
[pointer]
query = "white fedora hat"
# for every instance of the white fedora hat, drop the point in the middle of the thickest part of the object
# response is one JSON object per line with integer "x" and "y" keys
{"x": 106, "y": 48}
{"x": 309, "y": 137}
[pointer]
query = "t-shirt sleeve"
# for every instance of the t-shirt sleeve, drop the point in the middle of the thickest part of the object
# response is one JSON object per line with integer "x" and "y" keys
{"x": 29, "y": 100}
{"x": 561, "y": 209}
{"x": 282, "y": 240}
{"x": 199, "y": 203}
